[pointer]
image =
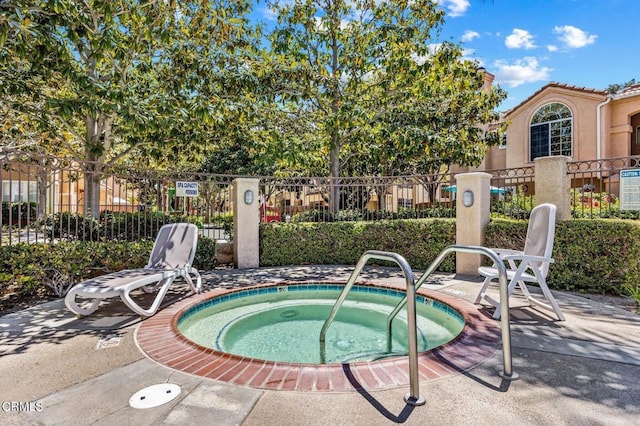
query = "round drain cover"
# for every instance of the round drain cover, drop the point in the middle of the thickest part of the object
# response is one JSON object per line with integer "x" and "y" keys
{"x": 154, "y": 396}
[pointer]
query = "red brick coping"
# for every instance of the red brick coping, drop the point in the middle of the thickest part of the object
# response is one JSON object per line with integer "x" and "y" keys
{"x": 159, "y": 338}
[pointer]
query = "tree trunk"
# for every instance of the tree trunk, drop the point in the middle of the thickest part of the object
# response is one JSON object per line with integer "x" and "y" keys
{"x": 431, "y": 185}
{"x": 42, "y": 184}
{"x": 92, "y": 167}
{"x": 92, "y": 179}
{"x": 334, "y": 155}
{"x": 97, "y": 145}
{"x": 381, "y": 191}
{"x": 334, "y": 189}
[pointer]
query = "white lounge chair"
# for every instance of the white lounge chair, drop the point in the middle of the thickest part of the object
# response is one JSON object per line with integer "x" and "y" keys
{"x": 528, "y": 266}
{"x": 171, "y": 257}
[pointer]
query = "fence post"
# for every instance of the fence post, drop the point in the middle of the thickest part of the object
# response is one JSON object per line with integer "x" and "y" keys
{"x": 246, "y": 223}
{"x": 473, "y": 197}
{"x": 553, "y": 184}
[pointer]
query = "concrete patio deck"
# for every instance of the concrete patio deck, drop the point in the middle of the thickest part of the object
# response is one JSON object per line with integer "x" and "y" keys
{"x": 56, "y": 369}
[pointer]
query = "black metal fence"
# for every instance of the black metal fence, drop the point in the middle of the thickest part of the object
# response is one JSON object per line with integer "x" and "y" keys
{"x": 513, "y": 192}
{"x": 321, "y": 199}
{"x": 595, "y": 187}
{"x": 45, "y": 198}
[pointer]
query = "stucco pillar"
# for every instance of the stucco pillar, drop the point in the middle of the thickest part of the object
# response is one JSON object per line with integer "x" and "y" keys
{"x": 471, "y": 220}
{"x": 553, "y": 184}
{"x": 246, "y": 221}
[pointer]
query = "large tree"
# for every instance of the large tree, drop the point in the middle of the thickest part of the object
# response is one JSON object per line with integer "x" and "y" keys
{"x": 124, "y": 76}
{"x": 372, "y": 87}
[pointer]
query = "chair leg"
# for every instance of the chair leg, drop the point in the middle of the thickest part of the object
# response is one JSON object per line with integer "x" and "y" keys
{"x": 197, "y": 288}
{"x": 483, "y": 290}
{"x": 525, "y": 289}
{"x": 144, "y": 313}
{"x": 73, "y": 306}
{"x": 515, "y": 282}
{"x": 552, "y": 305}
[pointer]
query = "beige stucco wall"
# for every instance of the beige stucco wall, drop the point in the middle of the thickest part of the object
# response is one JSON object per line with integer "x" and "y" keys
{"x": 246, "y": 224}
{"x": 471, "y": 221}
{"x": 553, "y": 183}
{"x": 496, "y": 159}
{"x": 583, "y": 106}
{"x": 622, "y": 110}
{"x": 635, "y": 136}
{"x": 619, "y": 119}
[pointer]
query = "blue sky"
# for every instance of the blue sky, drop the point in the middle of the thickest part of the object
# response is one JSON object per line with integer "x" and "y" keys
{"x": 529, "y": 43}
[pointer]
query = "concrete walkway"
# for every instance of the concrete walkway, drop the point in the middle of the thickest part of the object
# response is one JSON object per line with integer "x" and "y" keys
{"x": 56, "y": 369}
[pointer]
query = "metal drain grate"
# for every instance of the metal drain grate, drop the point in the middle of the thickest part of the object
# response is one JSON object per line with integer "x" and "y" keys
{"x": 108, "y": 341}
{"x": 154, "y": 396}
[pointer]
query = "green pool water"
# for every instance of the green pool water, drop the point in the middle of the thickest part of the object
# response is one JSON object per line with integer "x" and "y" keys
{"x": 285, "y": 325}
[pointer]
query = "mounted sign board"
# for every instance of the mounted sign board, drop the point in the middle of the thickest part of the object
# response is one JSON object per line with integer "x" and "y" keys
{"x": 186, "y": 189}
{"x": 630, "y": 189}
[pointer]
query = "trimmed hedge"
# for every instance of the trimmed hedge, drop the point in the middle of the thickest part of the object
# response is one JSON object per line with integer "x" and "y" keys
{"x": 591, "y": 256}
{"x": 27, "y": 268}
{"x": 419, "y": 241}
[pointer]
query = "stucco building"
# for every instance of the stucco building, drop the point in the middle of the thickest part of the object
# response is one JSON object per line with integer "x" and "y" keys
{"x": 583, "y": 124}
{"x": 580, "y": 123}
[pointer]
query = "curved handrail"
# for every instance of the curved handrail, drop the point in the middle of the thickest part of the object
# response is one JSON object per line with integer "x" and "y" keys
{"x": 504, "y": 301}
{"x": 413, "y": 397}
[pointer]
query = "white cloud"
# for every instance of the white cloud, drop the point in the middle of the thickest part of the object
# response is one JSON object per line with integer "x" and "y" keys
{"x": 526, "y": 70}
{"x": 468, "y": 53}
{"x": 469, "y": 35}
{"x": 419, "y": 59}
{"x": 432, "y": 49}
{"x": 552, "y": 48}
{"x": 268, "y": 13}
{"x": 574, "y": 37}
{"x": 519, "y": 39}
{"x": 455, "y": 7}
{"x": 344, "y": 24}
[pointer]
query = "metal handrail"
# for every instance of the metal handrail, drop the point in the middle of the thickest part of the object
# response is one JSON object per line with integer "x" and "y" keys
{"x": 507, "y": 373}
{"x": 413, "y": 397}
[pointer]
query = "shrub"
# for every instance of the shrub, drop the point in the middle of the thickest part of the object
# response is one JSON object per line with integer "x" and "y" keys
{"x": 17, "y": 214}
{"x": 73, "y": 226}
{"x": 510, "y": 210}
{"x": 111, "y": 226}
{"x": 224, "y": 221}
{"x": 591, "y": 256}
{"x": 205, "y": 257}
{"x": 419, "y": 241}
{"x": 30, "y": 267}
{"x": 371, "y": 215}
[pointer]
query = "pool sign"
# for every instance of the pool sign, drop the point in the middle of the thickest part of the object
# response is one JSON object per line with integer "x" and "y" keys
{"x": 186, "y": 189}
{"x": 630, "y": 189}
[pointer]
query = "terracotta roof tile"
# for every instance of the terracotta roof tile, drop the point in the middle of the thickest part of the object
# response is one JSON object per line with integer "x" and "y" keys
{"x": 628, "y": 91}
{"x": 561, "y": 86}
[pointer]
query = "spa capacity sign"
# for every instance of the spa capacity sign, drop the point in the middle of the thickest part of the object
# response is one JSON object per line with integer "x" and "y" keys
{"x": 630, "y": 189}
{"x": 186, "y": 189}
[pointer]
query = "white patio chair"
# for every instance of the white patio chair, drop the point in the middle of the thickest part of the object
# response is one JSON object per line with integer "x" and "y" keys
{"x": 528, "y": 266}
{"x": 171, "y": 257}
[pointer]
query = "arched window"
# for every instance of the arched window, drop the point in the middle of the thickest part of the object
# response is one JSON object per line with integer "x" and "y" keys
{"x": 550, "y": 131}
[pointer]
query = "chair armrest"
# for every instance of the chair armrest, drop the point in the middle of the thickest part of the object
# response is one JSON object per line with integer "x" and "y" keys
{"x": 528, "y": 258}
{"x": 504, "y": 252}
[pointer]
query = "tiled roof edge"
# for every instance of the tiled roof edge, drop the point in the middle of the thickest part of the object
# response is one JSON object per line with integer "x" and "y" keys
{"x": 561, "y": 86}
